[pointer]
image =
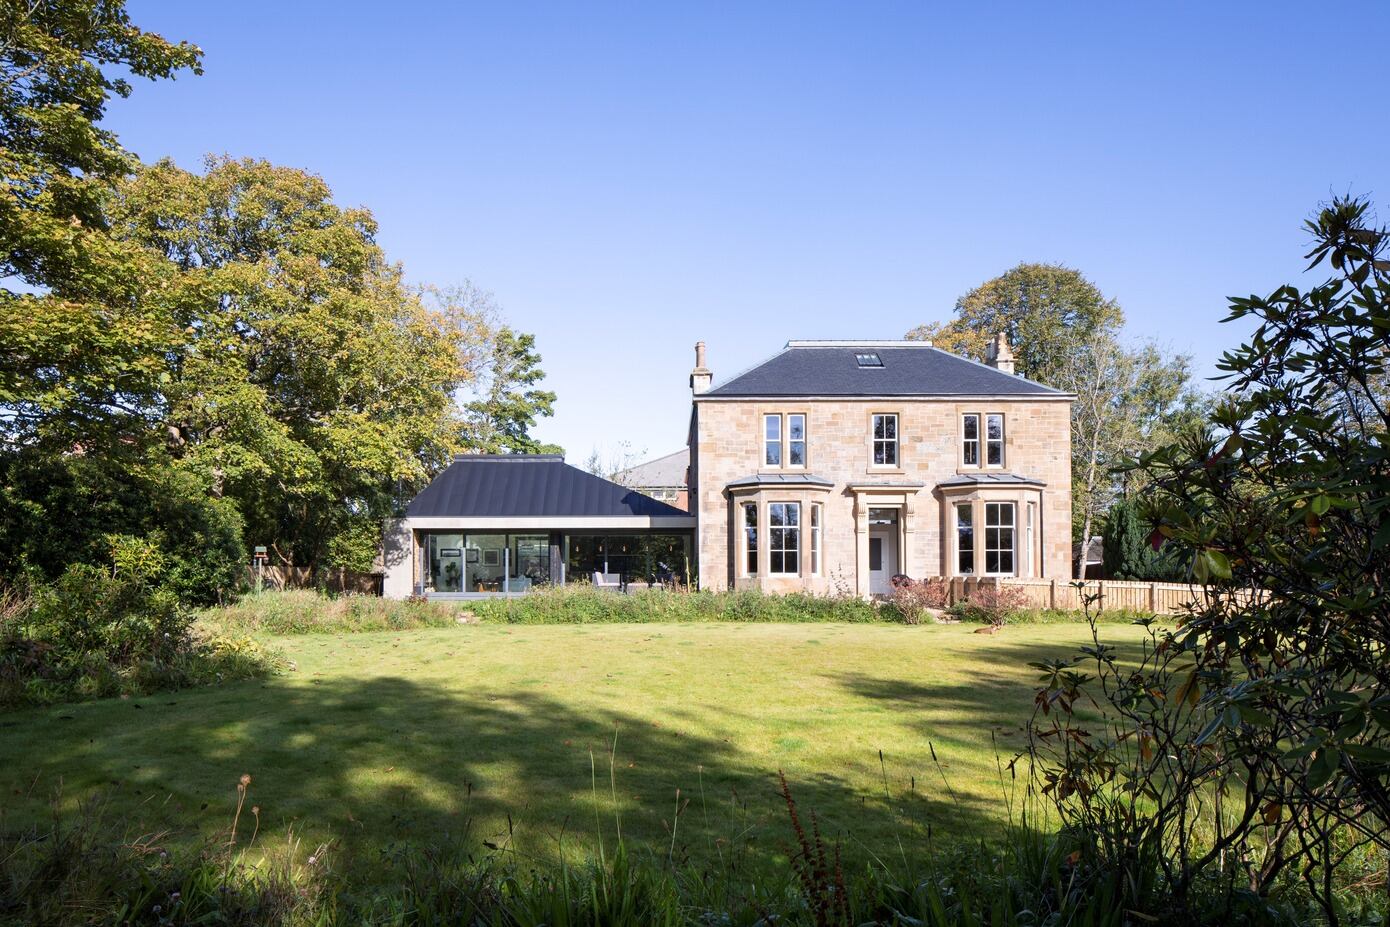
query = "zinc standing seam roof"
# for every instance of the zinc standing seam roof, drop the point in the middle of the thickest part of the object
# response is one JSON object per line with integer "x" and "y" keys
{"x": 529, "y": 486}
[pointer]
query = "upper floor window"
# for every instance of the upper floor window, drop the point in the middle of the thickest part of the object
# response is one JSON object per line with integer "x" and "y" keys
{"x": 784, "y": 538}
{"x": 772, "y": 440}
{"x": 970, "y": 439}
{"x": 992, "y": 439}
{"x": 885, "y": 440}
{"x": 784, "y": 440}
{"x": 796, "y": 440}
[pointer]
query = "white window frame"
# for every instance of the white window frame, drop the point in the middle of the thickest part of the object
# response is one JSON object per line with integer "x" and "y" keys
{"x": 998, "y": 548}
{"x": 749, "y": 544}
{"x": 816, "y": 516}
{"x": 1029, "y": 553}
{"x": 783, "y": 440}
{"x": 788, "y": 531}
{"x": 895, "y": 442}
{"x": 769, "y": 441}
{"x": 967, "y": 443}
{"x": 791, "y": 442}
{"x": 969, "y": 508}
{"x": 987, "y": 442}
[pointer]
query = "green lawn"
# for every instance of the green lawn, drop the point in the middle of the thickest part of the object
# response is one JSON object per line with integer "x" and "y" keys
{"x": 379, "y": 737}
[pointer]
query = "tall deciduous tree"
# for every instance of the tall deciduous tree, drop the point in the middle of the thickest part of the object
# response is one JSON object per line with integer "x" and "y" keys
{"x": 1046, "y": 310}
{"x": 1065, "y": 333}
{"x": 509, "y": 402}
{"x": 61, "y": 61}
{"x": 1128, "y": 400}
{"x": 303, "y": 378}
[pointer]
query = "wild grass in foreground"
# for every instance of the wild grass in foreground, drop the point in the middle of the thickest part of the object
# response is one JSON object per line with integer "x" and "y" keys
{"x": 376, "y": 737}
{"x": 84, "y": 871}
{"x": 307, "y": 611}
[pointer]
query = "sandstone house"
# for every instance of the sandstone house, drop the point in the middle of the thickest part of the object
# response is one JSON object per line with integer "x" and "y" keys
{"x": 836, "y": 464}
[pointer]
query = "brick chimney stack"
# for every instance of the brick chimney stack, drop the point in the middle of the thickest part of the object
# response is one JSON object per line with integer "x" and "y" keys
{"x": 700, "y": 377}
{"x": 1000, "y": 356}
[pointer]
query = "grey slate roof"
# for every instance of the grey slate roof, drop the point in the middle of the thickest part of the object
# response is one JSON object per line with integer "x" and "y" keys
{"x": 986, "y": 478}
{"x": 779, "y": 479}
{"x": 830, "y": 369}
{"x": 663, "y": 471}
{"x": 529, "y": 485}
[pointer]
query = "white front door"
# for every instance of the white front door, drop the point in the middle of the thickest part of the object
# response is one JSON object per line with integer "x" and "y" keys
{"x": 883, "y": 558}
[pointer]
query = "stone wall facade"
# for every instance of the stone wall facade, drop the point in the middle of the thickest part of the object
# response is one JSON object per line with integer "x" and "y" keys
{"x": 727, "y": 447}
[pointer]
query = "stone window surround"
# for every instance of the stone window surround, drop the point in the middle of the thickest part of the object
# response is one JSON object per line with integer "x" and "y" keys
{"x": 983, "y": 443}
{"x": 785, "y": 441}
{"x": 897, "y": 441}
{"x": 1027, "y": 563}
{"x": 869, "y": 465}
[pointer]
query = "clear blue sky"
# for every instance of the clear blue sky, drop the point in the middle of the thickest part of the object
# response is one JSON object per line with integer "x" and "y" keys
{"x": 629, "y": 179}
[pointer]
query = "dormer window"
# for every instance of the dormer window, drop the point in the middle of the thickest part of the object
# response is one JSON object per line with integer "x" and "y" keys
{"x": 868, "y": 359}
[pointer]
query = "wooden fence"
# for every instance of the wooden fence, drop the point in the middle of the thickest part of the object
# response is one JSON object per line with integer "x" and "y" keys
{"x": 1063, "y": 594}
{"x": 333, "y": 580}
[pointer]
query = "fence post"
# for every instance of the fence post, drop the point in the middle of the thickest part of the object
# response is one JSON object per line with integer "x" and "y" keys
{"x": 1153, "y": 597}
{"x": 1052, "y": 595}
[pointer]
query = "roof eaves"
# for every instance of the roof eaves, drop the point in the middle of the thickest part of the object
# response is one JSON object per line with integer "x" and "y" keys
{"x": 1050, "y": 395}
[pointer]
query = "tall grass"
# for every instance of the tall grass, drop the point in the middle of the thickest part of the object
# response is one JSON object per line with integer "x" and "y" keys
{"x": 87, "y": 869}
{"x": 581, "y": 604}
{"x": 305, "y": 611}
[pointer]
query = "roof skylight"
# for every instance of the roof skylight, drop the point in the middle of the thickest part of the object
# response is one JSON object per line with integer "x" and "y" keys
{"x": 868, "y": 359}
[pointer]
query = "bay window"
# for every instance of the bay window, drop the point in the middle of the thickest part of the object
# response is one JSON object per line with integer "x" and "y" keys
{"x": 965, "y": 539}
{"x": 750, "y": 539}
{"x": 999, "y": 538}
{"x": 784, "y": 538}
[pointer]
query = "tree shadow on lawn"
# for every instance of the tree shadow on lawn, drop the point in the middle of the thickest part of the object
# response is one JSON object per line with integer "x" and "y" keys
{"x": 387, "y": 760}
{"x": 994, "y": 706}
